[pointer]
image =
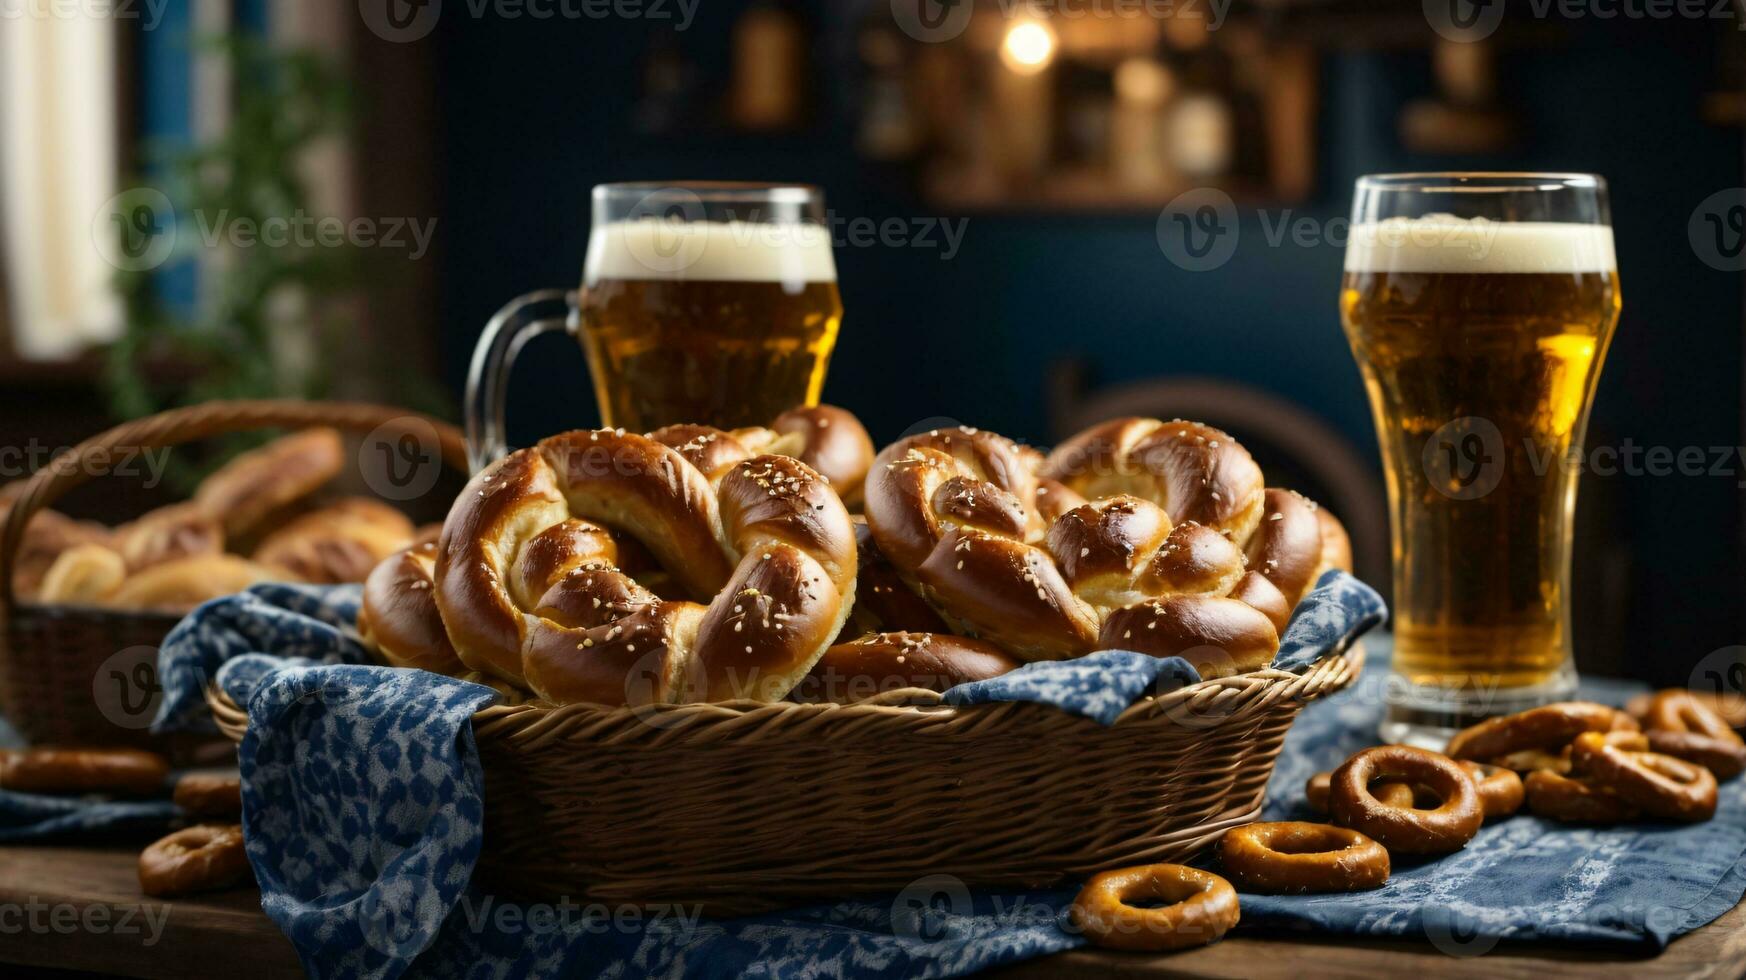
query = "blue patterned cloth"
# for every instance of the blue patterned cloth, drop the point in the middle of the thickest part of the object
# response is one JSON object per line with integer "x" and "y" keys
{"x": 363, "y": 797}
{"x": 32, "y": 817}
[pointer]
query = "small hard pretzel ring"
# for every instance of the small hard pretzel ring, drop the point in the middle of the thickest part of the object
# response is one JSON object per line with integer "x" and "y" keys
{"x": 1531, "y": 760}
{"x": 210, "y": 795}
{"x": 1500, "y": 789}
{"x": 1391, "y": 793}
{"x": 1663, "y": 786}
{"x": 127, "y": 772}
{"x": 1446, "y": 828}
{"x": 1678, "y": 711}
{"x": 1302, "y": 857}
{"x": 199, "y": 858}
{"x": 1558, "y": 797}
{"x": 1547, "y": 726}
{"x": 1203, "y": 907}
{"x": 1724, "y": 758}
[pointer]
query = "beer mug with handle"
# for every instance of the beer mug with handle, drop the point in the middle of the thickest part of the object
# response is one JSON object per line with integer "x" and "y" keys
{"x": 1479, "y": 308}
{"x": 710, "y": 303}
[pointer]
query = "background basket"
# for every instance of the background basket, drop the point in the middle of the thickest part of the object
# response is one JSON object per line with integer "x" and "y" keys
{"x": 55, "y": 661}
{"x": 744, "y": 806}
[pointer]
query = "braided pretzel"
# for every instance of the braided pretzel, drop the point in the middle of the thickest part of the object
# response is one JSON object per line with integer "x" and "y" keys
{"x": 881, "y": 662}
{"x": 1154, "y": 562}
{"x": 528, "y": 592}
{"x": 831, "y": 440}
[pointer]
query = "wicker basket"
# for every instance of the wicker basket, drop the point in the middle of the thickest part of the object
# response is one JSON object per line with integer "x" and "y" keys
{"x": 56, "y": 662}
{"x": 743, "y": 807}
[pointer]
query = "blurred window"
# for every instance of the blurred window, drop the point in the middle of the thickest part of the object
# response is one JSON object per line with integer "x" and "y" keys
{"x": 58, "y": 171}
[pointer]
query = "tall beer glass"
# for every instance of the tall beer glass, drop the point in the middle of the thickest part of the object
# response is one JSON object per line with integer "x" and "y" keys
{"x": 1479, "y": 308}
{"x": 712, "y": 303}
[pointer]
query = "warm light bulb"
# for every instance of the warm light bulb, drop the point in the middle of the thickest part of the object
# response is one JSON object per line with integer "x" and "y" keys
{"x": 1028, "y": 48}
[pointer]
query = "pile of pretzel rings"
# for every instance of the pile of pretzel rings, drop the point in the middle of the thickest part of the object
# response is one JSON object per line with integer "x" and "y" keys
{"x": 1573, "y": 762}
{"x": 205, "y": 856}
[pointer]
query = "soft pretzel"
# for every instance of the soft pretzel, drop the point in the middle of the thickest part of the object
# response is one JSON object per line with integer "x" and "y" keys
{"x": 529, "y": 593}
{"x": 884, "y": 603}
{"x": 398, "y": 617}
{"x": 340, "y": 542}
{"x": 254, "y": 486}
{"x": 83, "y": 575}
{"x": 881, "y": 662}
{"x": 46, "y": 537}
{"x": 178, "y": 586}
{"x": 828, "y": 439}
{"x": 184, "y": 530}
{"x": 1140, "y": 535}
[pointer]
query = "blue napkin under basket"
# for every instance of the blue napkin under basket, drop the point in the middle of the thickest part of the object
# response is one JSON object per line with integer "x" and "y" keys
{"x": 362, "y": 794}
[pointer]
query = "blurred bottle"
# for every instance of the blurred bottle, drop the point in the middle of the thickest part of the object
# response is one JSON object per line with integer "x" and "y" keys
{"x": 1143, "y": 86}
{"x": 669, "y": 88}
{"x": 889, "y": 127}
{"x": 769, "y": 68}
{"x": 1201, "y": 129}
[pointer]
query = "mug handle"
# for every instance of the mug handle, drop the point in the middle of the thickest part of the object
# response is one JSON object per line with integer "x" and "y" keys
{"x": 488, "y": 376}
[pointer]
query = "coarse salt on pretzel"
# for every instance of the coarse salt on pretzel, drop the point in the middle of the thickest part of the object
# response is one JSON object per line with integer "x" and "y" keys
{"x": 762, "y": 540}
{"x": 1296, "y": 857}
{"x": 1136, "y": 534}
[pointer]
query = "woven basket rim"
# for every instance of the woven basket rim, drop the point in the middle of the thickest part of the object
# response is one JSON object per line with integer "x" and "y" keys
{"x": 1333, "y": 672}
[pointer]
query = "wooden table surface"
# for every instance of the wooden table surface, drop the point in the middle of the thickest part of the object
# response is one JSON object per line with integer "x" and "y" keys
{"x": 79, "y": 908}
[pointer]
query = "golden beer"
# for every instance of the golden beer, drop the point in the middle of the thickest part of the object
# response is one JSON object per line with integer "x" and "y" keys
{"x": 1480, "y": 344}
{"x": 723, "y": 323}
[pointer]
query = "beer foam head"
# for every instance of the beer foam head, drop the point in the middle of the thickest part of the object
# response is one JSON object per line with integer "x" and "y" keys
{"x": 791, "y": 253}
{"x": 1444, "y": 243}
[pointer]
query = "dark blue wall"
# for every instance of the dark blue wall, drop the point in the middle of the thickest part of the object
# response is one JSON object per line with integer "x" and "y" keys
{"x": 536, "y": 112}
